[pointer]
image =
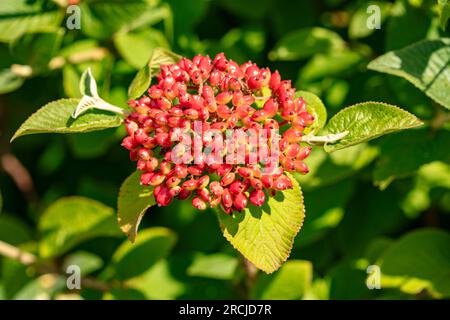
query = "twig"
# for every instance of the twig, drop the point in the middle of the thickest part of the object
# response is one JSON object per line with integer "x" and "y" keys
{"x": 251, "y": 272}
{"x": 15, "y": 253}
{"x": 29, "y": 259}
{"x": 20, "y": 175}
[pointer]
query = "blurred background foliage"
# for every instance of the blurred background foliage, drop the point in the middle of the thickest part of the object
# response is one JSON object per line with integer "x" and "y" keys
{"x": 386, "y": 202}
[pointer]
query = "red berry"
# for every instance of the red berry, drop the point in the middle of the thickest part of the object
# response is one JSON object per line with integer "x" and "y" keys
{"x": 257, "y": 197}
{"x": 240, "y": 202}
{"x": 199, "y": 203}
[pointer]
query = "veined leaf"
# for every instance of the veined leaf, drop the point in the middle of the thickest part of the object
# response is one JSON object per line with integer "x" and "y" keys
{"x": 367, "y": 121}
{"x": 143, "y": 78}
{"x": 134, "y": 200}
{"x": 56, "y": 117}
{"x": 265, "y": 235}
{"x": 426, "y": 64}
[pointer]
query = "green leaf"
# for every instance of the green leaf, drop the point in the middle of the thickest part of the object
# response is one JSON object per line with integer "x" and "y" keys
{"x": 336, "y": 63}
{"x": 444, "y": 12}
{"x": 427, "y": 181}
{"x": 1, "y": 201}
{"x": 158, "y": 283}
{"x": 366, "y": 121}
{"x": 92, "y": 144}
{"x": 86, "y": 261}
{"x": 417, "y": 261}
{"x": 348, "y": 281}
{"x": 20, "y": 19}
{"x": 134, "y": 200}
{"x": 265, "y": 235}
{"x": 143, "y": 78}
{"x": 42, "y": 288}
{"x": 56, "y": 117}
{"x": 289, "y": 283}
{"x": 101, "y": 71}
{"x": 254, "y": 9}
{"x": 88, "y": 84}
{"x": 136, "y": 47}
{"x": 69, "y": 221}
{"x": 328, "y": 168}
{"x": 403, "y": 15}
{"x": 369, "y": 213}
{"x": 426, "y": 64}
{"x": 316, "y": 107}
{"x": 404, "y": 153}
{"x": 9, "y": 81}
{"x": 102, "y": 18}
{"x": 133, "y": 259}
{"x": 13, "y": 230}
{"x": 215, "y": 266}
{"x": 306, "y": 42}
{"x": 326, "y": 208}
{"x": 358, "y": 27}
{"x": 37, "y": 49}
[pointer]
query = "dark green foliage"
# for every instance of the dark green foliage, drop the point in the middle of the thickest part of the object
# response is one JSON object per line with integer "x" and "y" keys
{"x": 385, "y": 202}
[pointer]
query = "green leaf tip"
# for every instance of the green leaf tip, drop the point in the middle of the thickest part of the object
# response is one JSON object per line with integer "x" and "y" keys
{"x": 56, "y": 117}
{"x": 265, "y": 235}
{"x": 366, "y": 121}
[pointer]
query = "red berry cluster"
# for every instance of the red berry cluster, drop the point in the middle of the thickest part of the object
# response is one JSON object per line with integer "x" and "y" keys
{"x": 222, "y": 95}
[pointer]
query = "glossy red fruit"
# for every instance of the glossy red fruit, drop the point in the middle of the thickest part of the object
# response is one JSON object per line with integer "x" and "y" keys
{"x": 257, "y": 197}
{"x": 227, "y": 199}
{"x": 216, "y": 188}
{"x": 199, "y": 203}
{"x": 240, "y": 202}
{"x": 218, "y": 94}
{"x": 227, "y": 179}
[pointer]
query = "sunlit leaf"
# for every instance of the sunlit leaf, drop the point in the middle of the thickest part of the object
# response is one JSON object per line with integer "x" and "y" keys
{"x": 306, "y": 42}
{"x": 367, "y": 121}
{"x": 143, "y": 78}
{"x": 69, "y": 221}
{"x": 56, "y": 117}
{"x": 265, "y": 235}
{"x": 425, "y": 64}
{"x": 418, "y": 261}
{"x": 134, "y": 200}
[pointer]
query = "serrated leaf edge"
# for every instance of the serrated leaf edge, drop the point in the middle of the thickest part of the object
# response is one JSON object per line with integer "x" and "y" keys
{"x": 22, "y": 132}
{"x": 418, "y": 124}
{"x": 297, "y": 229}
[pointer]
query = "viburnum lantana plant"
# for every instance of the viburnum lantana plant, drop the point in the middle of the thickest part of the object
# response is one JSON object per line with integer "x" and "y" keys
{"x": 199, "y": 133}
{"x": 224, "y": 135}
